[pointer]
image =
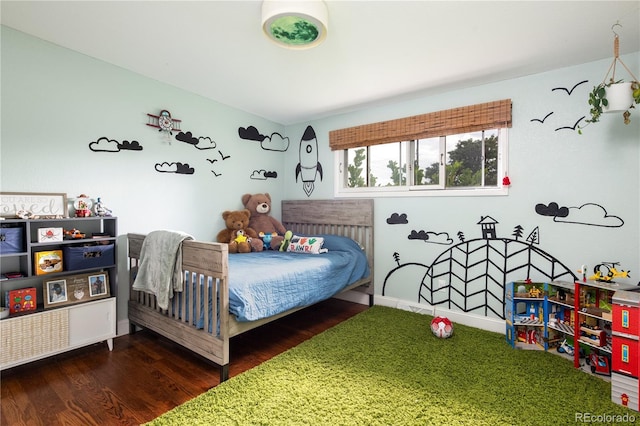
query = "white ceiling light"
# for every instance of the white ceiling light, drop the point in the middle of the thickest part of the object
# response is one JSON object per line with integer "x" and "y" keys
{"x": 298, "y": 24}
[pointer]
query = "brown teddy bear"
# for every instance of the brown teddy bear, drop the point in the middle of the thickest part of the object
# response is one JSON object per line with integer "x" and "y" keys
{"x": 240, "y": 237}
{"x": 260, "y": 206}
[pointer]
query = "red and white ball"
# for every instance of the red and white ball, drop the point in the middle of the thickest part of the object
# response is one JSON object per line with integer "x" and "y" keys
{"x": 442, "y": 327}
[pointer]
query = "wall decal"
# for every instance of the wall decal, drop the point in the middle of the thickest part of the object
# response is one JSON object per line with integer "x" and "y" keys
{"x": 569, "y": 91}
{"x": 275, "y": 142}
{"x": 309, "y": 166}
{"x": 397, "y": 219}
{"x": 105, "y": 144}
{"x": 575, "y": 125}
{"x": 542, "y": 120}
{"x": 517, "y": 232}
{"x": 431, "y": 237}
{"x": 177, "y": 168}
{"x": 488, "y": 226}
{"x": 553, "y": 209}
{"x": 470, "y": 275}
{"x": 201, "y": 142}
{"x": 591, "y": 214}
{"x": 534, "y": 236}
{"x": 263, "y": 175}
{"x": 213, "y": 160}
{"x": 164, "y": 122}
{"x": 556, "y": 120}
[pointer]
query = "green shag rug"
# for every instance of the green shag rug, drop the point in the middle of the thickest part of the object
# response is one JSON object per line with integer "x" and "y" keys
{"x": 385, "y": 367}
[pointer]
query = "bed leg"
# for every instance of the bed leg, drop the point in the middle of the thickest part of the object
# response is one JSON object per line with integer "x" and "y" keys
{"x": 132, "y": 328}
{"x": 370, "y": 300}
{"x": 224, "y": 373}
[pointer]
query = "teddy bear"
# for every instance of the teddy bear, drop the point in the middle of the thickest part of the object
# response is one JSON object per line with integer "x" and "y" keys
{"x": 238, "y": 235}
{"x": 260, "y": 206}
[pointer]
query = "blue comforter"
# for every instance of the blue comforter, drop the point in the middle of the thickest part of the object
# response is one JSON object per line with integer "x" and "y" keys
{"x": 267, "y": 283}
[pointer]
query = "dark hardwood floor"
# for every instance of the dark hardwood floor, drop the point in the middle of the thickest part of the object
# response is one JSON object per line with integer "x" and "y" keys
{"x": 145, "y": 375}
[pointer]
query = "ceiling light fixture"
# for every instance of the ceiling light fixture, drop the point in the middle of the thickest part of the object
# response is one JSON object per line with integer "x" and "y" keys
{"x": 300, "y": 24}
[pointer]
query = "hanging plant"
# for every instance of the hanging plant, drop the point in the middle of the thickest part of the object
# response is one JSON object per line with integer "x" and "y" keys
{"x": 614, "y": 95}
{"x": 601, "y": 94}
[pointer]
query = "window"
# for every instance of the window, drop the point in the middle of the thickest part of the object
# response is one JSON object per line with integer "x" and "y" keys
{"x": 462, "y": 151}
{"x": 469, "y": 161}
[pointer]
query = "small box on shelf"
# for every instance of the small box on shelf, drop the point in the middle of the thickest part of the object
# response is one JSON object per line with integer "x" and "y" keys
{"x": 21, "y": 300}
{"x": 88, "y": 256}
{"x": 46, "y": 235}
{"x": 48, "y": 262}
{"x": 11, "y": 239}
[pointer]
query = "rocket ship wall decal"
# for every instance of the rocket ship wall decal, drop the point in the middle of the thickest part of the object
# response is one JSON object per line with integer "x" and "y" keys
{"x": 309, "y": 166}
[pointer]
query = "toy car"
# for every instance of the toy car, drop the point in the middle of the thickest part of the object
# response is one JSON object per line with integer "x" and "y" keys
{"x": 599, "y": 364}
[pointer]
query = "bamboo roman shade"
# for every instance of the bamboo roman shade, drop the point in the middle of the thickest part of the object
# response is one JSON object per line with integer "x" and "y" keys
{"x": 471, "y": 118}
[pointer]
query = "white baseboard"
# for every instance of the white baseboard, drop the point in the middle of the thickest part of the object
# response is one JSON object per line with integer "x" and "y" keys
{"x": 477, "y": 321}
{"x": 353, "y": 296}
{"x": 122, "y": 327}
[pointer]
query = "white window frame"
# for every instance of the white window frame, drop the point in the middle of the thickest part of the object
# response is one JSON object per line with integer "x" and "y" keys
{"x": 341, "y": 176}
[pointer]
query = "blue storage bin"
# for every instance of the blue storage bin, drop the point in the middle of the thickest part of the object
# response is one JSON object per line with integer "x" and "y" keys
{"x": 88, "y": 257}
{"x": 11, "y": 240}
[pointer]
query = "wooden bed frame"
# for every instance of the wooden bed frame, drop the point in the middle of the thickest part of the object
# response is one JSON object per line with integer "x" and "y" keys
{"x": 350, "y": 218}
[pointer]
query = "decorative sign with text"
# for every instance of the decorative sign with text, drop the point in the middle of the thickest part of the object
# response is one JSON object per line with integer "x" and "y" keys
{"x": 38, "y": 204}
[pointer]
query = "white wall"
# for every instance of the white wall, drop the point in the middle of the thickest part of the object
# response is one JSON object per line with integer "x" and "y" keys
{"x": 601, "y": 166}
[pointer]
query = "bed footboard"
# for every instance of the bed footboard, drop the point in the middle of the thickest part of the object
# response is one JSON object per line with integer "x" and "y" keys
{"x": 187, "y": 320}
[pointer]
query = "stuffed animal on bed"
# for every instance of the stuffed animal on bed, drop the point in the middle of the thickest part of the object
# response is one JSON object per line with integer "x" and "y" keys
{"x": 260, "y": 207}
{"x": 248, "y": 240}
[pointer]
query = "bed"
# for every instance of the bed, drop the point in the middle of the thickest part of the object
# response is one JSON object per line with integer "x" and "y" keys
{"x": 199, "y": 317}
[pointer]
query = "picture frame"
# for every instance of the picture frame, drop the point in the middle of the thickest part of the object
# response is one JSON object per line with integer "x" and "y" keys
{"x": 98, "y": 285}
{"x": 78, "y": 289}
{"x": 39, "y": 204}
{"x": 55, "y": 292}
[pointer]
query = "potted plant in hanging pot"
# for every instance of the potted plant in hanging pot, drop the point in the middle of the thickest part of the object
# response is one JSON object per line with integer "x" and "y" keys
{"x": 613, "y": 97}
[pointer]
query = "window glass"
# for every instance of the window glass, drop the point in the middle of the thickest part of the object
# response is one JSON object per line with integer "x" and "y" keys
{"x": 469, "y": 161}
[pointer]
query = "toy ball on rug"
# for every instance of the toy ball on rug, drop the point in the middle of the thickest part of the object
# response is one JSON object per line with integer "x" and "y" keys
{"x": 442, "y": 327}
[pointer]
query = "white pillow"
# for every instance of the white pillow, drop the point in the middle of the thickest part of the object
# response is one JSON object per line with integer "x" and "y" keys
{"x": 301, "y": 244}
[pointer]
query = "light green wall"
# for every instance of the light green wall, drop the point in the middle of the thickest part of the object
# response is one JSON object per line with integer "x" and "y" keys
{"x": 56, "y": 101}
{"x": 601, "y": 166}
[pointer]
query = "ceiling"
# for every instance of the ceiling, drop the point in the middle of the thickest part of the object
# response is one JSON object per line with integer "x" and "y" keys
{"x": 376, "y": 51}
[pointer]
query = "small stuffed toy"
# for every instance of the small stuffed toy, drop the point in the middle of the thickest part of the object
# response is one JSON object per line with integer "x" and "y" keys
{"x": 237, "y": 234}
{"x": 260, "y": 206}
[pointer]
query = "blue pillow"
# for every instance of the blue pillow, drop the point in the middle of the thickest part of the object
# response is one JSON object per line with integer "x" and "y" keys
{"x": 339, "y": 243}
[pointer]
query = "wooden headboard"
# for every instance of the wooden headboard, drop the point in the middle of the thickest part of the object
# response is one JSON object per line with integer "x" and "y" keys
{"x": 351, "y": 218}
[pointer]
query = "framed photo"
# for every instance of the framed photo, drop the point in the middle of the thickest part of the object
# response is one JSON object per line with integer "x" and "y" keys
{"x": 98, "y": 286}
{"x": 55, "y": 292}
{"x": 77, "y": 289}
{"x": 43, "y": 205}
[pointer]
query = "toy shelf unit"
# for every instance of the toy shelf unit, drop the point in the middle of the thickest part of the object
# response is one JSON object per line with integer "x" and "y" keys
{"x": 625, "y": 363}
{"x": 594, "y": 315}
{"x": 561, "y": 319}
{"x": 572, "y": 318}
{"x": 525, "y": 314}
{"x": 60, "y": 272}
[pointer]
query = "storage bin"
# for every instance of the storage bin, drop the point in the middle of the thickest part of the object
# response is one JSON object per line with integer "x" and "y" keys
{"x": 88, "y": 257}
{"x": 11, "y": 240}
